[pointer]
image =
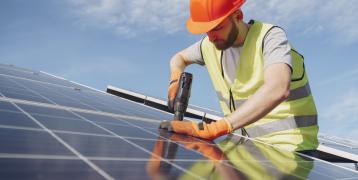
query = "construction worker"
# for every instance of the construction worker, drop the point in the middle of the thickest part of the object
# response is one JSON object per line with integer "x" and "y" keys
{"x": 260, "y": 79}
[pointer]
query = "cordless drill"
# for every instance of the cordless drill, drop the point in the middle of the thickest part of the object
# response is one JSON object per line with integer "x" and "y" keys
{"x": 182, "y": 97}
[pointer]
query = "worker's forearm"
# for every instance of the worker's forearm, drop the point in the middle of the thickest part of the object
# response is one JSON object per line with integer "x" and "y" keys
{"x": 177, "y": 63}
{"x": 257, "y": 106}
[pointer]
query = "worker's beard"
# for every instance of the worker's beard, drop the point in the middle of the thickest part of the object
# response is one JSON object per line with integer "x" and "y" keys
{"x": 224, "y": 44}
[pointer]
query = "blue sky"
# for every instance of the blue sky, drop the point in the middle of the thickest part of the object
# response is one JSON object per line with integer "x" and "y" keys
{"x": 128, "y": 44}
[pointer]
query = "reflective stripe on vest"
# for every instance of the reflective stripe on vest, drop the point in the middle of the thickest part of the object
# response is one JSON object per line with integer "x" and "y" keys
{"x": 295, "y": 94}
{"x": 299, "y": 93}
{"x": 282, "y": 125}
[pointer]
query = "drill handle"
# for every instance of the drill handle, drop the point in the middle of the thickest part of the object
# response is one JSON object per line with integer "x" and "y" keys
{"x": 183, "y": 94}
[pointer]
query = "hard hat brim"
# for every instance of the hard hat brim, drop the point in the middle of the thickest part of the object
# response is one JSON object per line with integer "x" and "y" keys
{"x": 196, "y": 27}
{"x": 202, "y": 27}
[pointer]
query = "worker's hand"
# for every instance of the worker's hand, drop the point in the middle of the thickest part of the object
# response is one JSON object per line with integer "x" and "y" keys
{"x": 173, "y": 88}
{"x": 203, "y": 130}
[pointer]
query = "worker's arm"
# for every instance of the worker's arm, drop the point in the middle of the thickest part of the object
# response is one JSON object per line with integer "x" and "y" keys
{"x": 178, "y": 62}
{"x": 276, "y": 89}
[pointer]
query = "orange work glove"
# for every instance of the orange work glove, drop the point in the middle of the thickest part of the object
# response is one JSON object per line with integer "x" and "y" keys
{"x": 173, "y": 88}
{"x": 203, "y": 130}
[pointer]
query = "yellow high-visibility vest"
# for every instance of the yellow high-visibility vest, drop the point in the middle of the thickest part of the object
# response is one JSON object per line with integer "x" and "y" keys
{"x": 293, "y": 123}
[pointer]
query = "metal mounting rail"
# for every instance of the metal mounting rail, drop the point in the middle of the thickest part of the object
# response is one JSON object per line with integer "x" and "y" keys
{"x": 158, "y": 103}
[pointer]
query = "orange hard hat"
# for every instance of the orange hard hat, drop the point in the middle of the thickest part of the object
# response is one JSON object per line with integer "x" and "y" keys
{"x": 206, "y": 14}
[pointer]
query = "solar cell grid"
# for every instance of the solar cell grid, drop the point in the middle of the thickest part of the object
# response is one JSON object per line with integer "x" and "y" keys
{"x": 341, "y": 146}
{"x": 55, "y": 169}
{"x": 104, "y": 119}
{"x": 20, "y": 73}
{"x": 30, "y": 142}
{"x": 110, "y": 147}
{"x": 131, "y": 169}
{"x": 38, "y": 110}
{"x": 15, "y": 118}
{"x": 6, "y": 106}
{"x": 71, "y": 97}
{"x": 52, "y": 96}
{"x": 123, "y": 131}
{"x": 91, "y": 135}
{"x": 76, "y": 125}
{"x": 12, "y": 90}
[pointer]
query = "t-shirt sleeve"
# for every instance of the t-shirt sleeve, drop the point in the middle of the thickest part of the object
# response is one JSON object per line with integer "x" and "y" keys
{"x": 193, "y": 54}
{"x": 276, "y": 48}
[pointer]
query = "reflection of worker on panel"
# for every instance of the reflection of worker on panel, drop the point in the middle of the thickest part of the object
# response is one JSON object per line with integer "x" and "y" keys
{"x": 260, "y": 79}
{"x": 258, "y": 161}
{"x": 163, "y": 149}
{"x": 235, "y": 158}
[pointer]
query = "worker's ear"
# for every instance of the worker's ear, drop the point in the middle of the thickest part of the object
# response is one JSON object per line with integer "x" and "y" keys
{"x": 238, "y": 15}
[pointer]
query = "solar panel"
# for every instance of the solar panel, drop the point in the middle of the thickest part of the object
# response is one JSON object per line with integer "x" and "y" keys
{"x": 51, "y": 128}
{"x": 339, "y": 143}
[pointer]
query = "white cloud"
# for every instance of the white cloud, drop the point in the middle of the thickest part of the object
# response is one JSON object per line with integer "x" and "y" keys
{"x": 344, "y": 110}
{"x": 134, "y": 17}
{"x": 131, "y": 18}
{"x": 343, "y": 114}
{"x": 347, "y": 76}
{"x": 334, "y": 18}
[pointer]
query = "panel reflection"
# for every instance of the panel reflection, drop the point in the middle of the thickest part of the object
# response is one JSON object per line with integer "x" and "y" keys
{"x": 232, "y": 158}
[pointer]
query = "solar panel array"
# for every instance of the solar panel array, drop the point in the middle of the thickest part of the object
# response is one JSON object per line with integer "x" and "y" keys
{"x": 339, "y": 143}
{"x": 51, "y": 128}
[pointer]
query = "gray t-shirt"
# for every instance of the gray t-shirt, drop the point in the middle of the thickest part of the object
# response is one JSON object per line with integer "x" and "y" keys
{"x": 276, "y": 50}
